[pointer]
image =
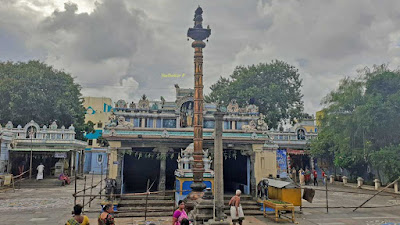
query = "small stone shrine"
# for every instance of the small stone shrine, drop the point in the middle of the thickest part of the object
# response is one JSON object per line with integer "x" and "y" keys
{"x": 184, "y": 173}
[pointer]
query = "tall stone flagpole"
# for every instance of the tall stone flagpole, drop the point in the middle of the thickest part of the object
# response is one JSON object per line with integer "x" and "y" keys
{"x": 198, "y": 34}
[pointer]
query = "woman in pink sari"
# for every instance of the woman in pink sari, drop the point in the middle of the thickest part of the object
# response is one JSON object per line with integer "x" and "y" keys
{"x": 179, "y": 214}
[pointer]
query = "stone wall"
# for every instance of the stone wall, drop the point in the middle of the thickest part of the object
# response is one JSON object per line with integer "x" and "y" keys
{"x": 265, "y": 162}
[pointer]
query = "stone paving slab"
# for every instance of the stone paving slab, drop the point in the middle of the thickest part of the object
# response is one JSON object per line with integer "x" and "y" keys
{"x": 47, "y": 206}
{"x": 168, "y": 221}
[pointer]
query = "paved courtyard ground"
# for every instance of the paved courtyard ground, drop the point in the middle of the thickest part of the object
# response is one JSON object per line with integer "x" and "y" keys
{"x": 47, "y": 206}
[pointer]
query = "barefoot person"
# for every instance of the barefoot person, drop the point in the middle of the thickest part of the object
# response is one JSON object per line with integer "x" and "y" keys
{"x": 78, "y": 219}
{"x": 236, "y": 208}
{"x": 179, "y": 214}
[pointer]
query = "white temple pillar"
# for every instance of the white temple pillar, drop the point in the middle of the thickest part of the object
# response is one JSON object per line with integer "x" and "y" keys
{"x": 143, "y": 122}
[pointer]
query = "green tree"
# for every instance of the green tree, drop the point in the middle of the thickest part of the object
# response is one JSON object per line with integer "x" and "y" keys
{"x": 274, "y": 87}
{"x": 103, "y": 142}
{"x": 388, "y": 160}
{"x": 88, "y": 127}
{"x": 36, "y": 91}
{"x": 358, "y": 128}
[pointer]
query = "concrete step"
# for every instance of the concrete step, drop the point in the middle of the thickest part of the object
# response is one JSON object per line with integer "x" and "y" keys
{"x": 247, "y": 212}
{"x": 143, "y": 197}
{"x": 160, "y": 206}
{"x": 141, "y": 214}
{"x": 243, "y": 202}
{"x": 33, "y": 183}
{"x": 169, "y": 213}
{"x": 242, "y": 197}
{"x": 149, "y": 209}
{"x": 133, "y": 203}
{"x": 247, "y": 207}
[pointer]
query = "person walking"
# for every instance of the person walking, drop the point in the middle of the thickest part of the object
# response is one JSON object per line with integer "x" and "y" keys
{"x": 179, "y": 214}
{"x": 301, "y": 176}
{"x": 323, "y": 177}
{"x": 78, "y": 219}
{"x": 237, "y": 214}
{"x": 105, "y": 217}
{"x": 294, "y": 175}
{"x": 40, "y": 170}
{"x": 21, "y": 166}
{"x": 315, "y": 174}
{"x": 307, "y": 176}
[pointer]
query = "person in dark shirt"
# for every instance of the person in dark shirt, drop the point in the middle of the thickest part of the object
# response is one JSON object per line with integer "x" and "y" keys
{"x": 21, "y": 166}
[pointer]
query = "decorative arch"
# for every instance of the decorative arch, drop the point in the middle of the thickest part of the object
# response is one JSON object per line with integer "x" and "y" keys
{"x": 301, "y": 133}
{"x": 31, "y": 125}
{"x": 182, "y": 101}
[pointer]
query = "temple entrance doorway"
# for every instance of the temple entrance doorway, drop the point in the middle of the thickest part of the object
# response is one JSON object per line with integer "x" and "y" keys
{"x": 300, "y": 161}
{"x": 46, "y": 158}
{"x": 236, "y": 174}
{"x": 137, "y": 170}
{"x": 172, "y": 165}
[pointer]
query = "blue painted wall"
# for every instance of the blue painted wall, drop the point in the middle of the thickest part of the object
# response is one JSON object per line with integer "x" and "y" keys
{"x": 88, "y": 161}
{"x": 92, "y": 164}
{"x": 94, "y": 135}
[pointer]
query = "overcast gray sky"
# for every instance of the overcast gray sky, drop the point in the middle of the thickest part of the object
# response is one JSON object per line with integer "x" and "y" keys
{"x": 120, "y": 48}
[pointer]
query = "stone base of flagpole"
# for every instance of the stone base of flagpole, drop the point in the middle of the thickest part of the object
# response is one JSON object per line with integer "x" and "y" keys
{"x": 203, "y": 208}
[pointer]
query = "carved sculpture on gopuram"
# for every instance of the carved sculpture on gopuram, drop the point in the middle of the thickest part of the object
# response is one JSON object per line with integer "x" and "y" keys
{"x": 132, "y": 105}
{"x": 261, "y": 124}
{"x": 233, "y": 106}
{"x": 112, "y": 121}
{"x": 154, "y": 106}
{"x": 144, "y": 103}
{"x": 251, "y": 108}
{"x": 186, "y": 114}
{"x": 252, "y": 126}
{"x": 162, "y": 101}
{"x": 121, "y": 104}
{"x": 53, "y": 125}
{"x": 124, "y": 124}
{"x": 242, "y": 110}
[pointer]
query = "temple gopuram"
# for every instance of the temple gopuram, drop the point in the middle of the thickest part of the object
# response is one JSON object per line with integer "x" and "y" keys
{"x": 147, "y": 140}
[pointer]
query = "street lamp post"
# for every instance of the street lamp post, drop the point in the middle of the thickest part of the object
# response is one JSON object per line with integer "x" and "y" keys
{"x": 198, "y": 34}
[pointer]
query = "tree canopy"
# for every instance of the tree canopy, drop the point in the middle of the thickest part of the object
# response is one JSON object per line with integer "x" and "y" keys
{"x": 274, "y": 87}
{"x": 359, "y": 128}
{"x": 35, "y": 91}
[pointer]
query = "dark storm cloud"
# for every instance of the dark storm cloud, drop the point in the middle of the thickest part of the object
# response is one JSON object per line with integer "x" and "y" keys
{"x": 110, "y": 31}
{"x": 120, "y": 48}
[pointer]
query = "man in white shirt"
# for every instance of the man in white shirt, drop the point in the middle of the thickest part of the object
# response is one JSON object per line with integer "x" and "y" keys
{"x": 40, "y": 170}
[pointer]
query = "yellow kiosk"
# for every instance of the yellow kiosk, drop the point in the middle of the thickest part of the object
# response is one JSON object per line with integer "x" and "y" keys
{"x": 284, "y": 191}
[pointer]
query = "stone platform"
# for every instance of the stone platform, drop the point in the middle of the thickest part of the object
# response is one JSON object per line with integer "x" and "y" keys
{"x": 45, "y": 183}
